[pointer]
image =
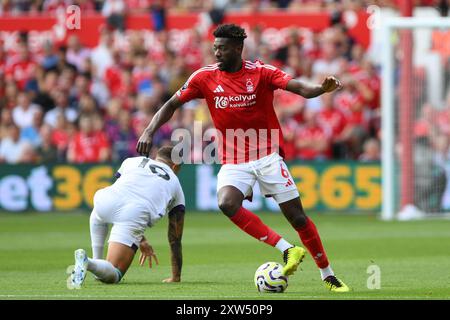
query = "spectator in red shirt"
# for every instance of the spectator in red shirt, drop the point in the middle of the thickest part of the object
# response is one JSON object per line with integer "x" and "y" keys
{"x": 138, "y": 6}
{"x": 192, "y": 53}
{"x": 113, "y": 75}
{"x": 126, "y": 90}
{"x": 88, "y": 145}
{"x": 289, "y": 104}
{"x": 368, "y": 83}
{"x": 22, "y": 70}
{"x": 289, "y": 127}
{"x": 313, "y": 142}
{"x": 352, "y": 105}
{"x": 334, "y": 122}
{"x": 61, "y": 136}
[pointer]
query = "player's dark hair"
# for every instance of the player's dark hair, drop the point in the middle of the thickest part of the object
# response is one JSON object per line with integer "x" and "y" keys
{"x": 230, "y": 31}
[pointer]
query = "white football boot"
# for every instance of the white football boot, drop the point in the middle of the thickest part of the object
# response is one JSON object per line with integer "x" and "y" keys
{"x": 80, "y": 270}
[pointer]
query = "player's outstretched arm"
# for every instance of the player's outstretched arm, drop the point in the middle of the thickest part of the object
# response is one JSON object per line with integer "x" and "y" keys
{"x": 309, "y": 90}
{"x": 175, "y": 233}
{"x": 163, "y": 115}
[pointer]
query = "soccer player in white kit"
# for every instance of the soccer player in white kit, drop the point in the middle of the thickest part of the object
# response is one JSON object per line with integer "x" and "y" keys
{"x": 145, "y": 191}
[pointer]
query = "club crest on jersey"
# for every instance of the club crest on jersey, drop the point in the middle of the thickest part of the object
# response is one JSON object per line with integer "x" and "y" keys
{"x": 249, "y": 85}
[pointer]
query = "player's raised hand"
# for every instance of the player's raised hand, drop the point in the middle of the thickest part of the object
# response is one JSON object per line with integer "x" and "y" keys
{"x": 330, "y": 84}
{"x": 147, "y": 252}
{"x": 144, "y": 144}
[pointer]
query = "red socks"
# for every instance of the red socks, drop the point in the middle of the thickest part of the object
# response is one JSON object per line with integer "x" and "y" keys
{"x": 311, "y": 240}
{"x": 252, "y": 224}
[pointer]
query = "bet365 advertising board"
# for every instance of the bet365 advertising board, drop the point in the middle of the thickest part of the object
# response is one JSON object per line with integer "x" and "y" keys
{"x": 348, "y": 187}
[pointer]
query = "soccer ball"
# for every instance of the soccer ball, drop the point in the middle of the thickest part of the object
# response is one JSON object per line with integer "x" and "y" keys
{"x": 269, "y": 278}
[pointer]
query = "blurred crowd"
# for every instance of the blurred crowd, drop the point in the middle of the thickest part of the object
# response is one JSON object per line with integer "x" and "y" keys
{"x": 120, "y": 7}
{"x": 71, "y": 103}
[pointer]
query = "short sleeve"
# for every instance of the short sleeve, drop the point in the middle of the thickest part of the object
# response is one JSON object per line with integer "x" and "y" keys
{"x": 178, "y": 198}
{"x": 121, "y": 169}
{"x": 191, "y": 89}
{"x": 276, "y": 78}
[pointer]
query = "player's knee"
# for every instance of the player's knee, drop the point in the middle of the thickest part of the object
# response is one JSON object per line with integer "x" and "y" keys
{"x": 113, "y": 277}
{"x": 293, "y": 211}
{"x": 298, "y": 220}
{"x": 228, "y": 206}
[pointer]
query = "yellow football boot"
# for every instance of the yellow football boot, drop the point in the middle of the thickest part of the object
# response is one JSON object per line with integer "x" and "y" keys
{"x": 292, "y": 258}
{"x": 335, "y": 285}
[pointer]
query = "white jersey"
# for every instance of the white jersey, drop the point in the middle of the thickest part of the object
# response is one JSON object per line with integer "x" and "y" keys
{"x": 149, "y": 184}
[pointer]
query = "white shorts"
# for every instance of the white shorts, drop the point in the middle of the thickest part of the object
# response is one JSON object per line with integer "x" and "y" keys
{"x": 271, "y": 172}
{"x": 129, "y": 220}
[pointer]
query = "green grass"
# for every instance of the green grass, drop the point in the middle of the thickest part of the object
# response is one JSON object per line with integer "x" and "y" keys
{"x": 220, "y": 260}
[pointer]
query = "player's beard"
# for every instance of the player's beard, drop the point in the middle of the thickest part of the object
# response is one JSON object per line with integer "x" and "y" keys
{"x": 222, "y": 66}
{"x": 227, "y": 66}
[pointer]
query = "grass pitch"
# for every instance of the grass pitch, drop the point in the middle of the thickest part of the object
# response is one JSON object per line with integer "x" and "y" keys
{"x": 220, "y": 260}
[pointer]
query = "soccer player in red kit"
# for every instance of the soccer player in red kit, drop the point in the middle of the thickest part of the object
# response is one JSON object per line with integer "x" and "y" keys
{"x": 239, "y": 95}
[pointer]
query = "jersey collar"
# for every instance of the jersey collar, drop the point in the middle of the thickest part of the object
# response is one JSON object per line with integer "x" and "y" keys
{"x": 236, "y": 74}
{"x": 164, "y": 165}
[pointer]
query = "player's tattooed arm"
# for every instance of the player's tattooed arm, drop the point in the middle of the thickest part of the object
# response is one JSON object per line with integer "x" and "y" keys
{"x": 163, "y": 115}
{"x": 309, "y": 90}
{"x": 175, "y": 233}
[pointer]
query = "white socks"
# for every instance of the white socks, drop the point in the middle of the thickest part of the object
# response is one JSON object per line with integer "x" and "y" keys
{"x": 99, "y": 231}
{"x": 104, "y": 270}
{"x": 283, "y": 245}
{"x": 325, "y": 272}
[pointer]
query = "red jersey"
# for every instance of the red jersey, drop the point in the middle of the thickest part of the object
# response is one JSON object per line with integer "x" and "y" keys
{"x": 315, "y": 133}
{"x": 332, "y": 120}
{"x": 21, "y": 72}
{"x": 113, "y": 79}
{"x": 241, "y": 107}
{"x": 373, "y": 82}
{"x": 351, "y": 104}
{"x": 87, "y": 148}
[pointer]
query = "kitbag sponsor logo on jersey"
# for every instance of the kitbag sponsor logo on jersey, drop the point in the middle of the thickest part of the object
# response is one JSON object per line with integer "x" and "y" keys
{"x": 221, "y": 102}
{"x": 239, "y": 101}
